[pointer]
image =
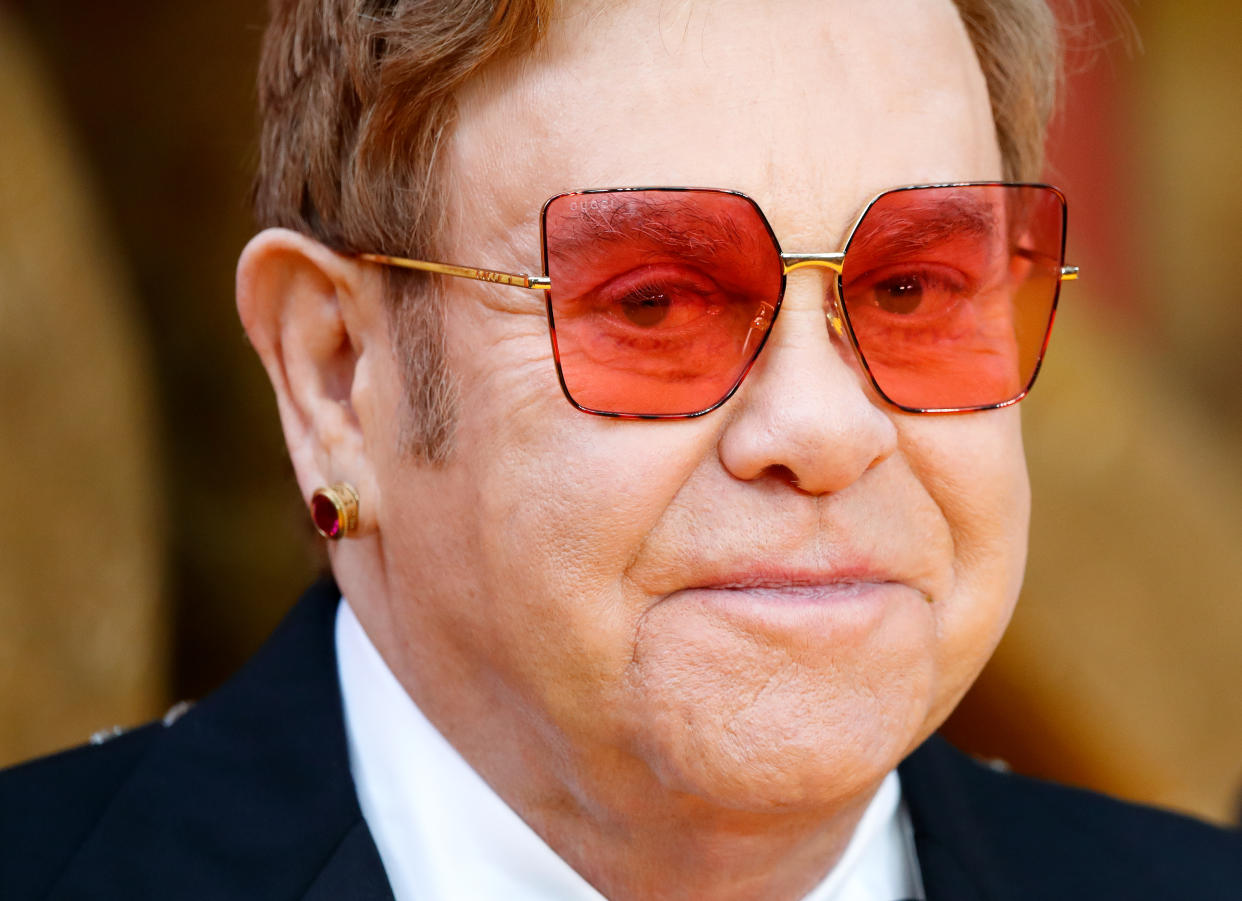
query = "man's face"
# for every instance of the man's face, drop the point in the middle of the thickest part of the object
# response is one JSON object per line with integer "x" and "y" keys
{"x": 764, "y": 607}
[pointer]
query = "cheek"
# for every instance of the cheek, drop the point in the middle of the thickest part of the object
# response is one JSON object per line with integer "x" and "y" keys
{"x": 561, "y": 505}
{"x": 562, "y": 500}
{"x": 974, "y": 469}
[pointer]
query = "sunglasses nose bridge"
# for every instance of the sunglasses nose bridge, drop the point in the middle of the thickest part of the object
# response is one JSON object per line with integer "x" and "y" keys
{"x": 792, "y": 262}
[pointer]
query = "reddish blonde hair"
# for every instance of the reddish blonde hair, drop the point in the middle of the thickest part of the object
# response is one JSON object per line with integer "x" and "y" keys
{"x": 357, "y": 96}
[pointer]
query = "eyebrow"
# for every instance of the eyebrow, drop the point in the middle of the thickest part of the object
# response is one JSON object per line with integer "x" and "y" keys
{"x": 679, "y": 228}
{"x": 911, "y": 229}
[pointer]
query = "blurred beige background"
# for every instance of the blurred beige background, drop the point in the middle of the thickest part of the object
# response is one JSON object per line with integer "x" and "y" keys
{"x": 152, "y": 532}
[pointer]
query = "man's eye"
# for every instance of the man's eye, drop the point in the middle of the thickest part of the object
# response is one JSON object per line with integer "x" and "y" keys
{"x": 925, "y": 292}
{"x": 899, "y": 295}
{"x": 661, "y": 302}
{"x": 646, "y": 308}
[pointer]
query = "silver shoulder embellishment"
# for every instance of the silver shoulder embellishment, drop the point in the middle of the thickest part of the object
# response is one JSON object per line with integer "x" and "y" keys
{"x": 103, "y": 735}
{"x": 996, "y": 764}
{"x": 176, "y": 712}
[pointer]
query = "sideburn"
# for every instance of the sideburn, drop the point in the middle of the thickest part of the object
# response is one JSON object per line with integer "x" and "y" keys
{"x": 416, "y": 322}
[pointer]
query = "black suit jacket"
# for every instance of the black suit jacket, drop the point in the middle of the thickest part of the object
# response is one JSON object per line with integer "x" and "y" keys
{"x": 249, "y": 796}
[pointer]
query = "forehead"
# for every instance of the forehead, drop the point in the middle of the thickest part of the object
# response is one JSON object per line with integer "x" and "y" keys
{"x": 811, "y": 107}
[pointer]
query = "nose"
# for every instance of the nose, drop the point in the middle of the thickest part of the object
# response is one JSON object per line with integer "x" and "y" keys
{"x": 804, "y": 413}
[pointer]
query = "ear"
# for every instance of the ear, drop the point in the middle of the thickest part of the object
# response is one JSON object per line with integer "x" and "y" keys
{"x": 312, "y": 315}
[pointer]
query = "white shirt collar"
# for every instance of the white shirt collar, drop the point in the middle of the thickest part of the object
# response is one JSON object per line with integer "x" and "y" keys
{"x": 443, "y": 834}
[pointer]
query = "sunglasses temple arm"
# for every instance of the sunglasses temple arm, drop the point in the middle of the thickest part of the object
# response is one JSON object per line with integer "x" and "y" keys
{"x": 534, "y": 282}
{"x": 1066, "y": 273}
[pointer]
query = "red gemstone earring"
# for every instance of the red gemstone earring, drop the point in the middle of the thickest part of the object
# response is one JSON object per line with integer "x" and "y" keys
{"x": 334, "y": 510}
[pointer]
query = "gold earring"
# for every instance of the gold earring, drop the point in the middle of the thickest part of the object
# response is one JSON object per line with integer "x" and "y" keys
{"x": 334, "y": 510}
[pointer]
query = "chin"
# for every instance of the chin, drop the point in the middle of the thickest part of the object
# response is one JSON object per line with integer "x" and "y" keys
{"x": 809, "y": 767}
{"x": 748, "y": 715}
{"x": 801, "y": 739}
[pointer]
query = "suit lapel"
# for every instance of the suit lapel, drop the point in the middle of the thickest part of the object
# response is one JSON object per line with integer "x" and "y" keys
{"x": 353, "y": 872}
{"x": 249, "y": 794}
{"x": 948, "y": 839}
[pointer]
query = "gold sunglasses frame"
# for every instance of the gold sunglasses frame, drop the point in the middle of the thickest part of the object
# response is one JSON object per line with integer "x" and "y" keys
{"x": 838, "y": 316}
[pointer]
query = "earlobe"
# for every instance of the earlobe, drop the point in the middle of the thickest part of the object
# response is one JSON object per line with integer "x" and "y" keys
{"x": 306, "y": 311}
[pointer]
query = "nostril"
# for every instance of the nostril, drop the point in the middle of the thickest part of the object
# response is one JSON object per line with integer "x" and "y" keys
{"x": 782, "y": 473}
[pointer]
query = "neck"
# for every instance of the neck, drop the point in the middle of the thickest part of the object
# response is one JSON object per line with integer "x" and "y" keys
{"x": 689, "y": 850}
{"x": 631, "y": 837}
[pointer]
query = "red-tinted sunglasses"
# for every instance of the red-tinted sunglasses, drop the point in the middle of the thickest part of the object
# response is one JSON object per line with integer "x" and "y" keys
{"x": 660, "y": 299}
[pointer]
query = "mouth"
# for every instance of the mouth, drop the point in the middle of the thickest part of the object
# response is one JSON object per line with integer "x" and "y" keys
{"x": 805, "y": 604}
{"x": 842, "y": 579}
{"x": 794, "y": 587}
